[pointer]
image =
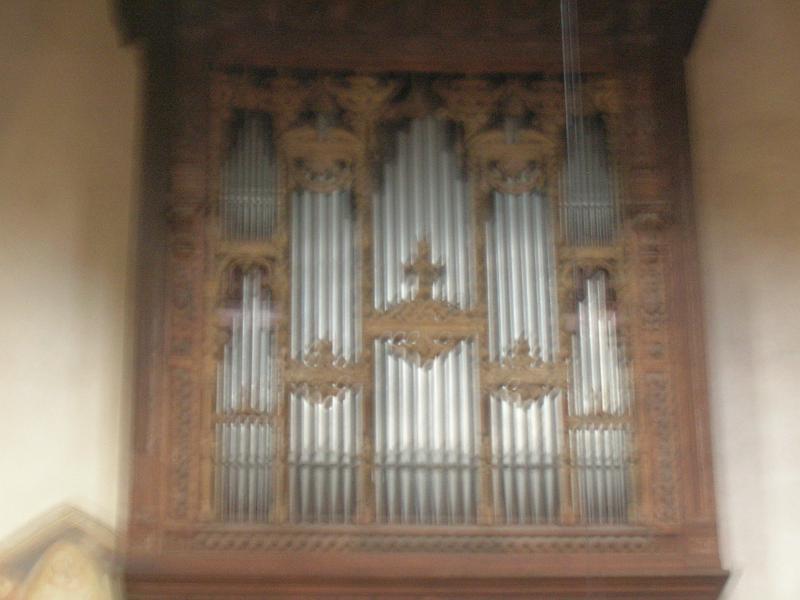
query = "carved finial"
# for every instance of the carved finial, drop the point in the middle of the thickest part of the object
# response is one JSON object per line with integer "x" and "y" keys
{"x": 426, "y": 271}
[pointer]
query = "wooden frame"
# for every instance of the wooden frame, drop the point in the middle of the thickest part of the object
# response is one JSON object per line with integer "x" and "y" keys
{"x": 670, "y": 553}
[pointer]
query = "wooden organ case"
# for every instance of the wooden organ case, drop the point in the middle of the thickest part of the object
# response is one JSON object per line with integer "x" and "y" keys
{"x": 398, "y": 336}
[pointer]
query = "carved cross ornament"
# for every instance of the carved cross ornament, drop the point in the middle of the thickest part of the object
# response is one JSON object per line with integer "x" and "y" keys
{"x": 426, "y": 271}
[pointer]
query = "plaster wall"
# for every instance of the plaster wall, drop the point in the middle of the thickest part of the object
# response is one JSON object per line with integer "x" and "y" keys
{"x": 69, "y": 121}
{"x": 744, "y": 89}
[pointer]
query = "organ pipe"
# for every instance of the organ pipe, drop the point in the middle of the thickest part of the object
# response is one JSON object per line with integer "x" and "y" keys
{"x": 248, "y": 181}
{"x": 600, "y": 386}
{"x": 324, "y": 445}
{"x": 426, "y": 448}
{"x": 589, "y": 196}
{"x": 423, "y": 195}
{"x": 520, "y": 269}
{"x": 245, "y": 396}
{"x": 525, "y": 457}
{"x": 426, "y": 410}
{"x": 590, "y": 188}
{"x": 324, "y": 274}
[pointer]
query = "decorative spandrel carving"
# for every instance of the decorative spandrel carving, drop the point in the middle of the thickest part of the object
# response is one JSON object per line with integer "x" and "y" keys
{"x": 544, "y": 377}
{"x": 421, "y": 348}
{"x": 322, "y": 392}
{"x": 603, "y": 96}
{"x": 363, "y": 99}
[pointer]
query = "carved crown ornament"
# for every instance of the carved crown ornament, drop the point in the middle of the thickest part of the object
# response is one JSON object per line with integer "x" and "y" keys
{"x": 525, "y": 383}
{"x": 512, "y": 166}
{"x": 522, "y": 356}
{"x": 321, "y": 355}
{"x": 321, "y": 159}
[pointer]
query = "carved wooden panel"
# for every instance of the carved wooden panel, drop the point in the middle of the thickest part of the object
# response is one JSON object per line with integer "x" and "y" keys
{"x": 331, "y": 139}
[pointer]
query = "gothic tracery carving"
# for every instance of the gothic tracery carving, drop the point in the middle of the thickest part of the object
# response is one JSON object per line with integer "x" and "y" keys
{"x": 332, "y": 158}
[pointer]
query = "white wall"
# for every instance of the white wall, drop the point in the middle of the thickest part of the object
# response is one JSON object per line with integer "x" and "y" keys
{"x": 744, "y": 79}
{"x": 68, "y": 129}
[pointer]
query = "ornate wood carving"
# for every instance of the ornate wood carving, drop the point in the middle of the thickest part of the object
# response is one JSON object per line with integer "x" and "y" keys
{"x": 413, "y": 542}
{"x": 339, "y": 152}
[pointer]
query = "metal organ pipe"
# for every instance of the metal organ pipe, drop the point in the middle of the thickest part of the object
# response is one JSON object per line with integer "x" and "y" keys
{"x": 600, "y": 391}
{"x": 426, "y": 436}
{"x": 425, "y": 414}
{"x": 589, "y": 207}
{"x": 324, "y": 432}
{"x": 423, "y": 196}
{"x": 520, "y": 262}
{"x": 600, "y": 386}
{"x": 244, "y": 398}
{"x": 324, "y": 445}
{"x": 525, "y": 457}
{"x": 324, "y": 286}
{"x": 426, "y": 411}
{"x": 590, "y": 204}
{"x": 248, "y": 181}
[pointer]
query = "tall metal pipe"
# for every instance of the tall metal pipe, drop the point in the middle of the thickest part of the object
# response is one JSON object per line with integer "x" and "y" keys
{"x": 248, "y": 181}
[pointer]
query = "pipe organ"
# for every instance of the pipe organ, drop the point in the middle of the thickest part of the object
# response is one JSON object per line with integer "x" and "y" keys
{"x": 459, "y": 310}
{"x": 428, "y": 320}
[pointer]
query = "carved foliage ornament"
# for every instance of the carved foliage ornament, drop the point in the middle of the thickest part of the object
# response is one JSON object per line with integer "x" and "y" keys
{"x": 321, "y": 160}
